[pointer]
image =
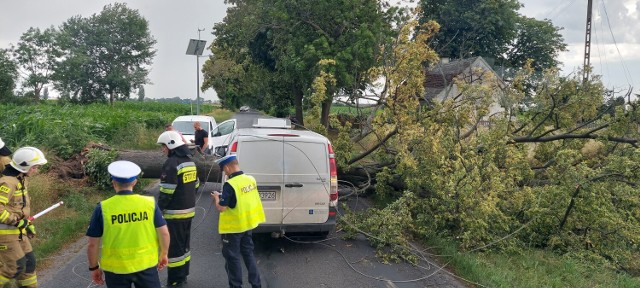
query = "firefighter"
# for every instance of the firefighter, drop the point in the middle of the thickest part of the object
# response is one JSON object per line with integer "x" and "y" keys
{"x": 131, "y": 232}
{"x": 4, "y": 155}
{"x": 16, "y": 255}
{"x": 177, "y": 199}
{"x": 240, "y": 211}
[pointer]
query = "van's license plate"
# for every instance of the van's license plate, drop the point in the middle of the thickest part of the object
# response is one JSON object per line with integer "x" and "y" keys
{"x": 268, "y": 195}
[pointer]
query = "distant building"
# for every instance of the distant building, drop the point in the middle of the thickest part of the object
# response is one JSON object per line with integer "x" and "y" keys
{"x": 440, "y": 81}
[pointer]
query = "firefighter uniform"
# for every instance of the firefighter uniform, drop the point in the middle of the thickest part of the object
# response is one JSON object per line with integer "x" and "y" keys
{"x": 17, "y": 260}
{"x": 177, "y": 200}
{"x": 242, "y": 214}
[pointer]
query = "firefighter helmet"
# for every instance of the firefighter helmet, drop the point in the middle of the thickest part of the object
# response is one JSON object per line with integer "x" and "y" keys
{"x": 26, "y": 157}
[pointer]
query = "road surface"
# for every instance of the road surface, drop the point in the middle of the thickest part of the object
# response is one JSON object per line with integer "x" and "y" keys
{"x": 283, "y": 263}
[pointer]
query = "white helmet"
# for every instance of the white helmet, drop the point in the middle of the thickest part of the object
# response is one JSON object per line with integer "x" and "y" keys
{"x": 170, "y": 138}
{"x": 26, "y": 157}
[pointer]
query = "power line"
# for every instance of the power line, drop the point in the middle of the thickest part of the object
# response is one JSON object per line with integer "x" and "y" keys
{"x": 627, "y": 74}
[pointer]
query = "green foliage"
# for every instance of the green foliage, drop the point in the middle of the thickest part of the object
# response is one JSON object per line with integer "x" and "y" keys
{"x": 267, "y": 52}
{"x": 66, "y": 129}
{"x": 96, "y": 167}
{"x": 8, "y": 75}
{"x": 494, "y": 30}
{"x": 106, "y": 56}
{"x": 386, "y": 228}
{"x": 36, "y": 55}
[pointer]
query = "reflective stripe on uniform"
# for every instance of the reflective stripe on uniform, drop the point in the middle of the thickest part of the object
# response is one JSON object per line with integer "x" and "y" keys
{"x": 8, "y": 229}
{"x": 179, "y": 261}
{"x": 3, "y": 199}
{"x": 4, "y": 215}
{"x": 186, "y": 167}
{"x": 4, "y": 280}
{"x": 168, "y": 188}
{"x": 29, "y": 281}
{"x": 179, "y": 214}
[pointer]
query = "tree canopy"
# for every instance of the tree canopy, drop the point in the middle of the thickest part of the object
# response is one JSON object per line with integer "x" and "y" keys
{"x": 8, "y": 74}
{"x": 494, "y": 30}
{"x": 285, "y": 40}
{"x": 35, "y": 56}
{"x": 105, "y": 56}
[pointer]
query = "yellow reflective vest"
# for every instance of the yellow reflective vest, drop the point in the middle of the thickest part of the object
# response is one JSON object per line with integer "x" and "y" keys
{"x": 129, "y": 239}
{"x": 248, "y": 212}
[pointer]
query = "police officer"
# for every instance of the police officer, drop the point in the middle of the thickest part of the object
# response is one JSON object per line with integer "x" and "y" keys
{"x": 129, "y": 228}
{"x": 178, "y": 184}
{"x": 16, "y": 254}
{"x": 240, "y": 211}
{"x": 4, "y": 155}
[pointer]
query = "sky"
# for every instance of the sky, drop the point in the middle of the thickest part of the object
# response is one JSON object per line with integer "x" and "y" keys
{"x": 615, "y": 37}
{"x": 172, "y": 23}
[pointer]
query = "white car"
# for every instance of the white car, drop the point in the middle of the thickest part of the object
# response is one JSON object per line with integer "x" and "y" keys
{"x": 245, "y": 109}
{"x": 295, "y": 171}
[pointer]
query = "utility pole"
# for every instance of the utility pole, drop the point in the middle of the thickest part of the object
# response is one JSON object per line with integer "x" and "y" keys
{"x": 587, "y": 45}
{"x": 196, "y": 47}
{"x": 198, "y": 73}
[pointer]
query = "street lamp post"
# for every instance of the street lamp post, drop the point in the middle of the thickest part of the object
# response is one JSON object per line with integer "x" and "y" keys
{"x": 196, "y": 47}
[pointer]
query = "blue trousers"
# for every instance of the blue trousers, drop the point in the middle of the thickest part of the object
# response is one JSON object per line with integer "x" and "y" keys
{"x": 237, "y": 247}
{"x": 147, "y": 278}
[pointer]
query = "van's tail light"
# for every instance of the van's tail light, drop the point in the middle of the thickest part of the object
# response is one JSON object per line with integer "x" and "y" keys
{"x": 234, "y": 147}
{"x": 333, "y": 191}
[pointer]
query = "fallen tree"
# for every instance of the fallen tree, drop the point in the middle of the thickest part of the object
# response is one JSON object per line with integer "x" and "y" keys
{"x": 151, "y": 164}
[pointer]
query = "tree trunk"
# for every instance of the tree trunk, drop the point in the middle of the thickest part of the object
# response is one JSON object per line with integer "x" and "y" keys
{"x": 324, "y": 117}
{"x": 151, "y": 164}
{"x": 297, "y": 95}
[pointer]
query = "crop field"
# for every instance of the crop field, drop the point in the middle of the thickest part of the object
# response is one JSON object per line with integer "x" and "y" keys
{"x": 65, "y": 129}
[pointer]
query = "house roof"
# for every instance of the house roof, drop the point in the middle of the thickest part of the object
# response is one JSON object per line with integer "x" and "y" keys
{"x": 441, "y": 75}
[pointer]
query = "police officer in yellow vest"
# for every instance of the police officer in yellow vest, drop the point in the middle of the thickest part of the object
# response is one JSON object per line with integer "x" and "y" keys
{"x": 17, "y": 260}
{"x": 131, "y": 232}
{"x": 4, "y": 155}
{"x": 240, "y": 211}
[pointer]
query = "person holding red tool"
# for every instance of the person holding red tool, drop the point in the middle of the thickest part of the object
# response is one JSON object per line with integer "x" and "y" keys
{"x": 16, "y": 253}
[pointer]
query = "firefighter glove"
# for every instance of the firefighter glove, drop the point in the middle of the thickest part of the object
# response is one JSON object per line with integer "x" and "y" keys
{"x": 31, "y": 231}
{"x": 23, "y": 223}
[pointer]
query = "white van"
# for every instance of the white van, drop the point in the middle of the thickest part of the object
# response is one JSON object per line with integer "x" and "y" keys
{"x": 296, "y": 175}
{"x": 184, "y": 125}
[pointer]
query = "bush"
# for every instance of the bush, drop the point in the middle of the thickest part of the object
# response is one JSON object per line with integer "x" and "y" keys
{"x": 96, "y": 168}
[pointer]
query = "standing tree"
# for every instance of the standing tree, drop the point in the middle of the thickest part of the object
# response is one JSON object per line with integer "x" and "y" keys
{"x": 105, "y": 55}
{"x": 35, "y": 56}
{"x": 141, "y": 93}
{"x": 45, "y": 93}
{"x": 287, "y": 39}
{"x": 494, "y": 30}
{"x": 8, "y": 74}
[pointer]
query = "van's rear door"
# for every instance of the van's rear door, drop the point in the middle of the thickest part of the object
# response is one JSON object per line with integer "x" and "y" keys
{"x": 306, "y": 181}
{"x": 262, "y": 159}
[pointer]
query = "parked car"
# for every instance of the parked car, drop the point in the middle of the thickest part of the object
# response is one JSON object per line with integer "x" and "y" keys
{"x": 295, "y": 171}
{"x": 245, "y": 109}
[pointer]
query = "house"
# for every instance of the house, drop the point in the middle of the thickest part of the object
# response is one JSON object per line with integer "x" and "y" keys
{"x": 440, "y": 81}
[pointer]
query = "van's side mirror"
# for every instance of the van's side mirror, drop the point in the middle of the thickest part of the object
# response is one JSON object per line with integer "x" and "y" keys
{"x": 220, "y": 151}
{"x": 217, "y": 134}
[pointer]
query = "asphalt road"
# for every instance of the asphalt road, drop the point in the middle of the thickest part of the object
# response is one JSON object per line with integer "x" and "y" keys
{"x": 287, "y": 263}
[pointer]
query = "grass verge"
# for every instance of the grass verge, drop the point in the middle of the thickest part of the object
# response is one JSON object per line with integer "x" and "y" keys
{"x": 527, "y": 269}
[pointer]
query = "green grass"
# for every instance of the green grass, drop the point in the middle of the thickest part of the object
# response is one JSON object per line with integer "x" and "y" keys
{"x": 341, "y": 109}
{"x": 531, "y": 268}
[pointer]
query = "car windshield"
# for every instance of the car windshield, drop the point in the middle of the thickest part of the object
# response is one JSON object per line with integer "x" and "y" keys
{"x": 186, "y": 127}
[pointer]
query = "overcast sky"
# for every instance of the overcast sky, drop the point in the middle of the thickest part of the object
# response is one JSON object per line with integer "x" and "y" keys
{"x": 173, "y": 23}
